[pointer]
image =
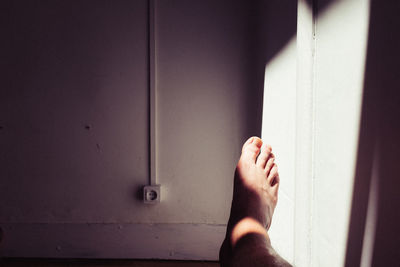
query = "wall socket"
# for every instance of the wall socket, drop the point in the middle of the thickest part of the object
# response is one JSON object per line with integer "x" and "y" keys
{"x": 151, "y": 194}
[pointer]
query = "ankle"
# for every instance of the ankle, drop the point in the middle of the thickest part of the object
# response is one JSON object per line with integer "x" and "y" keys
{"x": 246, "y": 226}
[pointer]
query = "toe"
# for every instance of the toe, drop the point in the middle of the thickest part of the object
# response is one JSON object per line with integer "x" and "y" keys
{"x": 275, "y": 187}
{"x": 252, "y": 140}
{"x": 273, "y": 180}
{"x": 251, "y": 149}
{"x": 248, "y": 142}
{"x": 264, "y": 155}
{"x": 273, "y": 176}
{"x": 257, "y": 141}
{"x": 270, "y": 163}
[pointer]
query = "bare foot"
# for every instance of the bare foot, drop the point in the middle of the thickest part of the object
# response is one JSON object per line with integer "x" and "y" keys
{"x": 255, "y": 195}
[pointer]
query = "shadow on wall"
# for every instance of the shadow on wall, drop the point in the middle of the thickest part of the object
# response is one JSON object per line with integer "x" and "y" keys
{"x": 265, "y": 41}
{"x": 380, "y": 128}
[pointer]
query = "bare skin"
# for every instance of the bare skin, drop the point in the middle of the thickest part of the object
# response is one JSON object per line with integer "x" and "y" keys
{"x": 255, "y": 195}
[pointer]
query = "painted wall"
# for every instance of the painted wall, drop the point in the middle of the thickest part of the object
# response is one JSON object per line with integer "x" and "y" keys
{"x": 208, "y": 104}
{"x": 279, "y": 130}
{"x": 374, "y": 236}
{"x": 74, "y": 123}
{"x": 75, "y": 107}
{"x": 73, "y": 111}
{"x": 341, "y": 43}
{"x": 312, "y": 105}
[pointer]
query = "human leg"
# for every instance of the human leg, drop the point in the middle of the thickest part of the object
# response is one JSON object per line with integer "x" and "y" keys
{"x": 255, "y": 195}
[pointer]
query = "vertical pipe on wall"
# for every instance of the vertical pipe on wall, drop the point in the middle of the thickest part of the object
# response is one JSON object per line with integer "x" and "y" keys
{"x": 304, "y": 134}
{"x": 152, "y": 92}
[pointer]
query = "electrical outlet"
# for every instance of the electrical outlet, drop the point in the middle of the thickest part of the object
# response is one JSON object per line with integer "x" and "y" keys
{"x": 151, "y": 194}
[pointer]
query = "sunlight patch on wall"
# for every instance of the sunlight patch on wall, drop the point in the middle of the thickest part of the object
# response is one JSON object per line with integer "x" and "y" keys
{"x": 339, "y": 64}
{"x": 312, "y": 102}
{"x": 278, "y": 129}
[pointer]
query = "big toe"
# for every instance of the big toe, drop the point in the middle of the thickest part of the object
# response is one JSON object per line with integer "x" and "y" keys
{"x": 251, "y": 149}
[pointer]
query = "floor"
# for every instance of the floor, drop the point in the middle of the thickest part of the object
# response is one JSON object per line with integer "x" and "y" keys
{"x": 102, "y": 263}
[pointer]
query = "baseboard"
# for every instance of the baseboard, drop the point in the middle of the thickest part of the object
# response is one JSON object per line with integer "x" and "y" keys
{"x": 111, "y": 240}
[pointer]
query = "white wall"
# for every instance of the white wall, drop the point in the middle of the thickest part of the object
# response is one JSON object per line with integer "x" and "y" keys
{"x": 311, "y": 117}
{"x": 279, "y": 128}
{"x": 341, "y": 43}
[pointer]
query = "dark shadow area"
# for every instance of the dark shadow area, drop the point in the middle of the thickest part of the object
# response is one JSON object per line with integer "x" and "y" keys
{"x": 70, "y": 72}
{"x": 379, "y": 124}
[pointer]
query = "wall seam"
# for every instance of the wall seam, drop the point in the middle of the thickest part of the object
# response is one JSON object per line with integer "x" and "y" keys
{"x": 305, "y": 134}
{"x": 313, "y": 126}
